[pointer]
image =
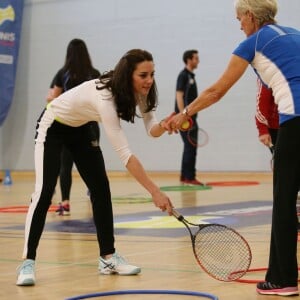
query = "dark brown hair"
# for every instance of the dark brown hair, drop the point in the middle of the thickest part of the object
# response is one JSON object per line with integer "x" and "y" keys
{"x": 78, "y": 63}
{"x": 188, "y": 54}
{"x": 119, "y": 82}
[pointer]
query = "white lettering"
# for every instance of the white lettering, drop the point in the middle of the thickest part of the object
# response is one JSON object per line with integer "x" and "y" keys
{"x": 7, "y": 36}
{"x": 6, "y": 59}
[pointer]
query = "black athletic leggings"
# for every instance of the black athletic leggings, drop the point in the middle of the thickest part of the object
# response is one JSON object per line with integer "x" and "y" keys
{"x": 283, "y": 268}
{"x": 65, "y": 174}
{"x": 50, "y": 138}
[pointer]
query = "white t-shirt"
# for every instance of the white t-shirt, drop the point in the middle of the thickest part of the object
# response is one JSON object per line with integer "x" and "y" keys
{"x": 84, "y": 103}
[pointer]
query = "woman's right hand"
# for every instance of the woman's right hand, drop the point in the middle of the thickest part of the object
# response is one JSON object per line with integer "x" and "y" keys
{"x": 265, "y": 139}
{"x": 162, "y": 201}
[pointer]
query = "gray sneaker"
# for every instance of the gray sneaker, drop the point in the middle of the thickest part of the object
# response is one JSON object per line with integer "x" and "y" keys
{"x": 117, "y": 265}
{"x": 26, "y": 273}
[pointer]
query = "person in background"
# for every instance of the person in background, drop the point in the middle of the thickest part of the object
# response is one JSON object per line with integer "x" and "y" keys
{"x": 125, "y": 93}
{"x": 267, "y": 121}
{"x": 77, "y": 68}
{"x": 274, "y": 53}
{"x": 266, "y": 117}
{"x": 186, "y": 92}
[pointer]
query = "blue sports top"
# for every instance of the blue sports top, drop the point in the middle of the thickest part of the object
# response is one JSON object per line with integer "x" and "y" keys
{"x": 274, "y": 53}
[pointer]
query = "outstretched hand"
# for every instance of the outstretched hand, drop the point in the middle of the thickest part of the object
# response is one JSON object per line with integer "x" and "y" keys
{"x": 175, "y": 122}
{"x": 165, "y": 123}
{"x": 162, "y": 201}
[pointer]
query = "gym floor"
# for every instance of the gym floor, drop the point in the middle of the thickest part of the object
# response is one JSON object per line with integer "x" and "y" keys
{"x": 67, "y": 257}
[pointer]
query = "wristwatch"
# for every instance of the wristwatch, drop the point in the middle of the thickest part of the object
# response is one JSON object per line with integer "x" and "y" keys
{"x": 185, "y": 112}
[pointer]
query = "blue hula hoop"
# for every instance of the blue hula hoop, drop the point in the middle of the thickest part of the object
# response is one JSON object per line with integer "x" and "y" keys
{"x": 133, "y": 292}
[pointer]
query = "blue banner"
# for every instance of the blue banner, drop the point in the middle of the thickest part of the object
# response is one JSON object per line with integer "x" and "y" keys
{"x": 11, "y": 12}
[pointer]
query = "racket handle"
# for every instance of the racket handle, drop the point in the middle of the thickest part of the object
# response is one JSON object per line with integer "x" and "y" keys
{"x": 176, "y": 214}
{"x": 186, "y": 125}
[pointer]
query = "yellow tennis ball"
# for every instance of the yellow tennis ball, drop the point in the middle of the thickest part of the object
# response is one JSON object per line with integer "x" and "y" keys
{"x": 185, "y": 125}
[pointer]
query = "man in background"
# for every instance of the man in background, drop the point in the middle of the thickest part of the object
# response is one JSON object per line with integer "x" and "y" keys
{"x": 186, "y": 92}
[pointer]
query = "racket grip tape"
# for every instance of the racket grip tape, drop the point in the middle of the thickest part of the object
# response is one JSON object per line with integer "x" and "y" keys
{"x": 177, "y": 215}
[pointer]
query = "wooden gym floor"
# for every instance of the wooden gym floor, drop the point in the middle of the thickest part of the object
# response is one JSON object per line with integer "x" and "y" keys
{"x": 68, "y": 254}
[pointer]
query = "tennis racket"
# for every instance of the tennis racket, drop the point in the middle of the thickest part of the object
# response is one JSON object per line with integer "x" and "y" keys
{"x": 198, "y": 137}
{"x": 219, "y": 250}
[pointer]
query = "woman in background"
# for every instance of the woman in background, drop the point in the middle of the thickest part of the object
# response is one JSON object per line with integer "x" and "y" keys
{"x": 77, "y": 69}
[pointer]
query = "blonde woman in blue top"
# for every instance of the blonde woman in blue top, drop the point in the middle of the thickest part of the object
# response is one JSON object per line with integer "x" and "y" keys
{"x": 273, "y": 51}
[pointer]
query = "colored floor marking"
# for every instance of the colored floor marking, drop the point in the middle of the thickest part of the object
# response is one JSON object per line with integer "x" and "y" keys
{"x": 22, "y": 209}
{"x": 163, "y": 222}
{"x": 180, "y": 188}
{"x": 232, "y": 183}
{"x": 130, "y": 200}
{"x": 118, "y": 200}
{"x": 156, "y": 224}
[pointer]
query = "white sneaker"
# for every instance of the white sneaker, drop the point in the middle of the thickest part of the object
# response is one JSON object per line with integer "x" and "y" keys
{"x": 117, "y": 265}
{"x": 26, "y": 273}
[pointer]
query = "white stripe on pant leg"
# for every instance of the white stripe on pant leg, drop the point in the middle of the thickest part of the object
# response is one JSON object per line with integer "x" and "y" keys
{"x": 45, "y": 122}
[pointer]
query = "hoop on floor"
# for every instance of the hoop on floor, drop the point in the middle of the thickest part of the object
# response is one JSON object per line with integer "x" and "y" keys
{"x": 254, "y": 280}
{"x": 141, "y": 292}
{"x": 232, "y": 183}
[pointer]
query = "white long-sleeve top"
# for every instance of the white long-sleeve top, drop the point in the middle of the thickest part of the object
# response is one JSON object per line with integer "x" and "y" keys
{"x": 85, "y": 103}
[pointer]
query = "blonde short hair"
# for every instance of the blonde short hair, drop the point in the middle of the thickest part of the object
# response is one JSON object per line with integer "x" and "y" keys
{"x": 264, "y": 11}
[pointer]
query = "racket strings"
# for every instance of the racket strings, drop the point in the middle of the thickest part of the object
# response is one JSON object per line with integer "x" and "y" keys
{"x": 222, "y": 252}
{"x": 198, "y": 137}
